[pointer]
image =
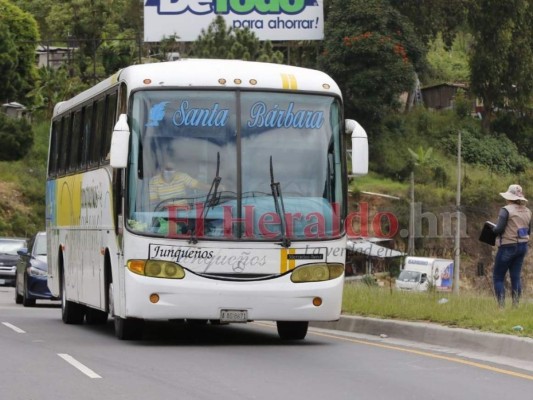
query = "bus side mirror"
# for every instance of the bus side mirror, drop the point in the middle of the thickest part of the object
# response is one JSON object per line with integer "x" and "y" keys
{"x": 119, "y": 143}
{"x": 359, "y": 147}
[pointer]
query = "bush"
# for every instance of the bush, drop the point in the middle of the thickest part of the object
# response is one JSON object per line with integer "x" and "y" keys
{"x": 497, "y": 153}
{"x": 16, "y": 136}
{"x": 518, "y": 129}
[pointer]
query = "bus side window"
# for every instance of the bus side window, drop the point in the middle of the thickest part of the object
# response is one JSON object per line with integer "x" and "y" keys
{"x": 64, "y": 144}
{"x": 74, "y": 156}
{"x": 110, "y": 119}
{"x": 86, "y": 135}
{"x": 98, "y": 128}
{"x": 54, "y": 148}
{"x": 123, "y": 99}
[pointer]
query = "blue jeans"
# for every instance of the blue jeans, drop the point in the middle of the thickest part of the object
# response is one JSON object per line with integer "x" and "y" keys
{"x": 510, "y": 258}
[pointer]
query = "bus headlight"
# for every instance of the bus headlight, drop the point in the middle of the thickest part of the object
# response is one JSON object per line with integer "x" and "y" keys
{"x": 317, "y": 272}
{"x": 156, "y": 269}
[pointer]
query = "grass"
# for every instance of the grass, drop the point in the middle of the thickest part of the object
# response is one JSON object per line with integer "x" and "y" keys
{"x": 375, "y": 183}
{"x": 466, "y": 310}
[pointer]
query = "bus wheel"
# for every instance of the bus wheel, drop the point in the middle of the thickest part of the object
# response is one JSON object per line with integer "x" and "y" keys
{"x": 95, "y": 317}
{"x": 292, "y": 330}
{"x": 71, "y": 313}
{"x": 197, "y": 322}
{"x": 128, "y": 328}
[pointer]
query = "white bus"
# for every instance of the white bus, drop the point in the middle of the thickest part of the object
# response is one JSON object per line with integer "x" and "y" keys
{"x": 201, "y": 190}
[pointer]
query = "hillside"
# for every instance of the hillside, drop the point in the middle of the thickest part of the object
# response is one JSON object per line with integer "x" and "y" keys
{"x": 476, "y": 258}
{"x": 12, "y": 206}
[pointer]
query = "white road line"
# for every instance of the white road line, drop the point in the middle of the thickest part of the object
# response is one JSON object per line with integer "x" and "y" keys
{"x": 76, "y": 364}
{"x": 11, "y": 326}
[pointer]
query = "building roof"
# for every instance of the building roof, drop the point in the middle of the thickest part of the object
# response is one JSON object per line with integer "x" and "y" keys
{"x": 52, "y": 49}
{"x": 14, "y": 104}
{"x": 456, "y": 85}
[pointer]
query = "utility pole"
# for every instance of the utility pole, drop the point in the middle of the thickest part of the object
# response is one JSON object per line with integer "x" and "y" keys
{"x": 411, "y": 242}
{"x": 457, "y": 244}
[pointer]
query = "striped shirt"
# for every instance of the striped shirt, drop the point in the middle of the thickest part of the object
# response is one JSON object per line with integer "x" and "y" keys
{"x": 176, "y": 188}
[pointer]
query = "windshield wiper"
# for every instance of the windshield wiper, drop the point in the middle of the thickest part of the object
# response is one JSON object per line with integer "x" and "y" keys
{"x": 210, "y": 200}
{"x": 140, "y": 165}
{"x": 280, "y": 207}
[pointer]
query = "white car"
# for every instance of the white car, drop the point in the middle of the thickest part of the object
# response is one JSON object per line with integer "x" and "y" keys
{"x": 9, "y": 258}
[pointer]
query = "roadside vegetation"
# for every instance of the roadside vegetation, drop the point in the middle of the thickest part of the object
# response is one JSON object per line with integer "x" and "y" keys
{"x": 22, "y": 188}
{"x": 469, "y": 310}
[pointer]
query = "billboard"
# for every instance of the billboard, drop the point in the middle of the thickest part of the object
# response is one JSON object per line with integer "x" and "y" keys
{"x": 268, "y": 19}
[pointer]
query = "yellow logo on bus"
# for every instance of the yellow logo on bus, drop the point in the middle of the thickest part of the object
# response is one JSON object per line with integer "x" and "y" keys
{"x": 289, "y": 81}
{"x": 68, "y": 195}
{"x": 287, "y": 264}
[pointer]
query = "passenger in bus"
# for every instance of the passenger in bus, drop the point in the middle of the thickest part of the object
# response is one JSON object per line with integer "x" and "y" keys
{"x": 170, "y": 187}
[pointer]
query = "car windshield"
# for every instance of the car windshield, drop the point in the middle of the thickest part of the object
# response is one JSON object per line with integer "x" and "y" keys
{"x": 10, "y": 246}
{"x": 409, "y": 276}
{"x": 39, "y": 246}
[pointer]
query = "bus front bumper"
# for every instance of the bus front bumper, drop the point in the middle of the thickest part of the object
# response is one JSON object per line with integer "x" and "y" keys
{"x": 196, "y": 297}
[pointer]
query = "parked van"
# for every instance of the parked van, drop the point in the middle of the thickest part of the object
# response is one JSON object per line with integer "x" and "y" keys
{"x": 418, "y": 273}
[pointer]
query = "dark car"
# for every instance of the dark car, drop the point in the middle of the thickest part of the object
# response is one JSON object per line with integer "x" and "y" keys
{"x": 32, "y": 273}
{"x": 9, "y": 258}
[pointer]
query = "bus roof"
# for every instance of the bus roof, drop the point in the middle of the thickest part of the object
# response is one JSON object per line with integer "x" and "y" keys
{"x": 210, "y": 73}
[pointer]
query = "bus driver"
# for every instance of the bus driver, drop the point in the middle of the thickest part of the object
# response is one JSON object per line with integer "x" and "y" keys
{"x": 171, "y": 184}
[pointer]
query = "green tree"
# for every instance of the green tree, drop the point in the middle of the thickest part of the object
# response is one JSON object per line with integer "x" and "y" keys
{"x": 422, "y": 163}
{"x": 502, "y": 55}
{"x": 371, "y": 50}
{"x": 8, "y": 56}
{"x": 119, "y": 52}
{"x": 221, "y": 41}
{"x": 53, "y": 86}
{"x": 16, "y": 137}
{"x": 40, "y": 10}
{"x": 431, "y": 17}
{"x": 19, "y": 34}
{"x": 81, "y": 23}
{"x": 449, "y": 64}
{"x": 89, "y": 24}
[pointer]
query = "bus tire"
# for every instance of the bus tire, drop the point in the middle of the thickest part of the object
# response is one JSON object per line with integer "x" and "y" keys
{"x": 71, "y": 313}
{"x": 292, "y": 330}
{"x": 197, "y": 322}
{"x": 128, "y": 328}
{"x": 95, "y": 317}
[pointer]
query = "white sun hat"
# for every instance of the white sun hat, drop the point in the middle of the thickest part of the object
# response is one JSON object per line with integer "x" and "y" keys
{"x": 514, "y": 193}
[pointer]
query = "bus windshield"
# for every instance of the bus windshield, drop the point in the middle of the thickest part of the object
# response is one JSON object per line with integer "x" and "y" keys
{"x": 235, "y": 165}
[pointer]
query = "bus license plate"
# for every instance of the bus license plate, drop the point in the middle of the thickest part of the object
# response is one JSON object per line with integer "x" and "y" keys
{"x": 233, "y": 316}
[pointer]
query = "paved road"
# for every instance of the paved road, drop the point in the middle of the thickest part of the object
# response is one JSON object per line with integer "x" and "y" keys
{"x": 41, "y": 358}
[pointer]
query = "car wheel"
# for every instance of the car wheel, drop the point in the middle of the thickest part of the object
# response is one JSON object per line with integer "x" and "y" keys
{"x": 26, "y": 301}
{"x": 18, "y": 297}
